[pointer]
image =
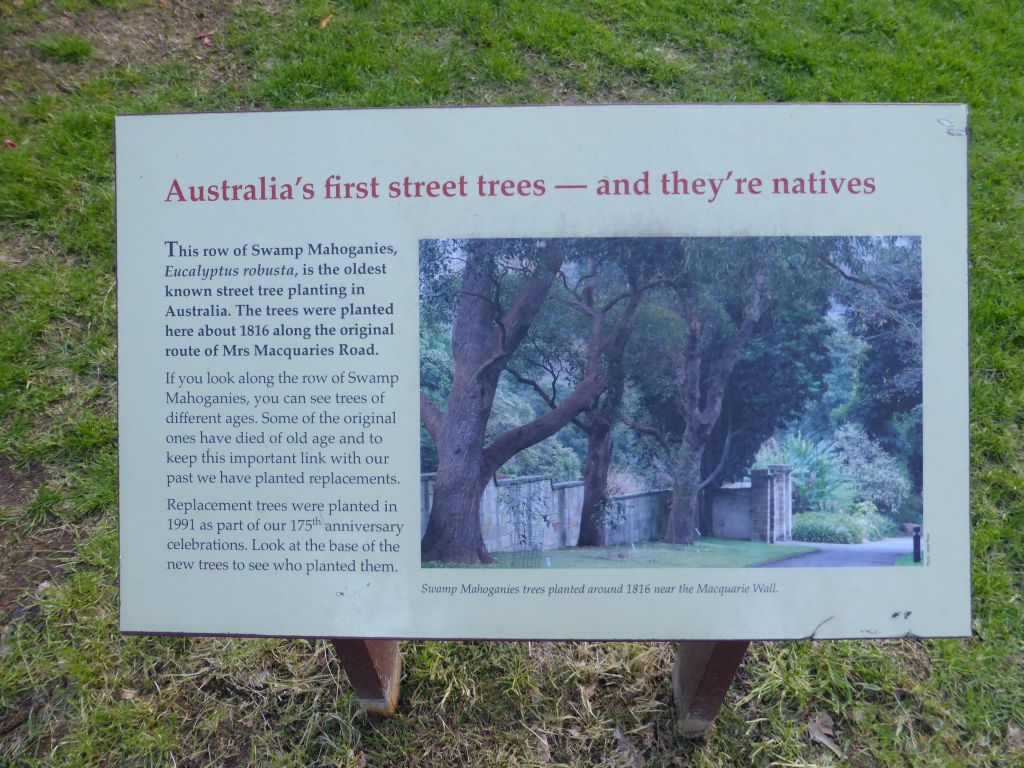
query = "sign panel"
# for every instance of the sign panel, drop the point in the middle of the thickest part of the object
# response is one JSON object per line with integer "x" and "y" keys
{"x": 618, "y": 372}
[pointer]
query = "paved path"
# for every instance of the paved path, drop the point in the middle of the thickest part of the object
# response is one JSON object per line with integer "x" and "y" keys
{"x": 869, "y": 553}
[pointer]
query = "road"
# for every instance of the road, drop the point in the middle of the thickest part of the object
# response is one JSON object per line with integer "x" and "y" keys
{"x": 870, "y": 553}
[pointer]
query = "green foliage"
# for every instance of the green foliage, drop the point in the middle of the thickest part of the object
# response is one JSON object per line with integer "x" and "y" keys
{"x": 845, "y": 351}
{"x": 885, "y": 307}
{"x": 435, "y": 360}
{"x": 911, "y": 511}
{"x": 873, "y": 525}
{"x": 514, "y": 406}
{"x": 780, "y": 370}
{"x": 863, "y": 523}
{"x": 834, "y": 475}
{"x": 70, "y": 49}
{"x": 819, "y": 484}
{"x": 874, "y": 475}
{"x": 780, "y": 364}
{"x": 827, "y": 528}
{"x": 904, "y": 438}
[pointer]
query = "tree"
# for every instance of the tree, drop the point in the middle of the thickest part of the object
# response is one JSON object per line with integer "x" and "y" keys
{"x": 885, "y": 311}
{"x": 608, "y": 290}
{"x": 704, "y": 369}
{"x": 746, "y": 313}
{"x": 878, "y": 298}
{"x": 492, "y": 291}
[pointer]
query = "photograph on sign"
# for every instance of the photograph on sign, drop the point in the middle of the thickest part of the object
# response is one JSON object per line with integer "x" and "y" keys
{"x": 501, "y": 373}
{"x": 704, "y": 389}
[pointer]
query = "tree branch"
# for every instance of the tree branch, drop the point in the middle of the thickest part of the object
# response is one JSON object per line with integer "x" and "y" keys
{"x": 722, "y": 367}
{"x": 716, "y": 473}
{"x": 649, "y": 431}
{"x": 431, "y": 415}
{"x": 548, "y": 400}
{"x": 528, "y": 302}
{"x": 688, "y": 373}
{"x": 514, "y": 326}
{"x": 510, "y": 443}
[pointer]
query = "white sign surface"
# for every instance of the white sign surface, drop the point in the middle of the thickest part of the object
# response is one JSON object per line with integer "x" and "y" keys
{"x": 306, "y": 298}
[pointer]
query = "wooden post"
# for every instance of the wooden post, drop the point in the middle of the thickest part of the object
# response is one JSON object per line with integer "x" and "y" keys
{"x": 374, "y": 668}
{"x": 701, "y": 676}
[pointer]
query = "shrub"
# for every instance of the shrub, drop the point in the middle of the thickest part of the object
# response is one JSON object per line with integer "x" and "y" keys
{"x": 873, "y": 525}
{"x": 864, "y": 508}
{"x": 910, "y": 511}
{"x": 832, "y": 475}
{"x": 827, "y": 528}
{"x": 875, "y": 475}
{"x": 863, "y": 524}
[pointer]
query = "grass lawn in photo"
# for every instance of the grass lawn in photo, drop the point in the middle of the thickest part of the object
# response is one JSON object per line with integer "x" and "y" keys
{"x": 707, "y": 553}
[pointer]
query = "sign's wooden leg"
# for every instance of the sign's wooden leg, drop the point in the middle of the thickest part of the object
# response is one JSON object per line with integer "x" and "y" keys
{"x": 702, "y": 674}
{"x": 374, "y": 668}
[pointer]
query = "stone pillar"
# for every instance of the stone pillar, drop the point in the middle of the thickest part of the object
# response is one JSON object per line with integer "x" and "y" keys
{"x": 780, "y": 486}
{"x": 788, "y": 501}
{"x": 761, "y": 505}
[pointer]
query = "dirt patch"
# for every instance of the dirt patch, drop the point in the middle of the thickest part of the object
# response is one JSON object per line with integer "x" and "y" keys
{"x": 31, "y": 557}
{"x": 15, "y": 486}
{"x": 31, "y": 563}
{"x": 14, "y": 715}
{"x": 187, "y": 29}
{"x": 14, "y": 252}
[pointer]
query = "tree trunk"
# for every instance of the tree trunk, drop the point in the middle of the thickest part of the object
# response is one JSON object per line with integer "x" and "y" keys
{"x": 701, "y": 385}
{"x": 594, "y": 512}
{"x": 682, "y": 516}
{"x": 453, "y": 531}
{"x": 485, "y": 334}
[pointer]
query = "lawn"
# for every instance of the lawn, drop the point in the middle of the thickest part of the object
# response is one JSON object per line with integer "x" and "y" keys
{"x": 74, "y": 692}
{"x": 707, "y": 553}
{"x": 908, "y": 560}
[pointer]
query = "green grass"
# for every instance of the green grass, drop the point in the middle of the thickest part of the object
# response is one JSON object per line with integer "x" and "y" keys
{"x": 73, "y": 692}
{"x": 70, "y": 49}
{"x": 908, "y": 560}
{"x": 708, "y": 553}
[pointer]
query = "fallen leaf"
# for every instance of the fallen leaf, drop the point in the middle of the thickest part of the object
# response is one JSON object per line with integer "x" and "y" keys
{"x": 207, "y": 42}
{"x": 1014, "y": 738}
{"x": 627, "y": 746}
{"x": 326, "y": 20}
{"x": 587, "y": 690}
{"x": 127, "y": 694}
{"x": 205, "y": 35}
{"x": 820, "y": 729}
{"x": 10, "y": 144}
{"x": 545, "y": 756}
